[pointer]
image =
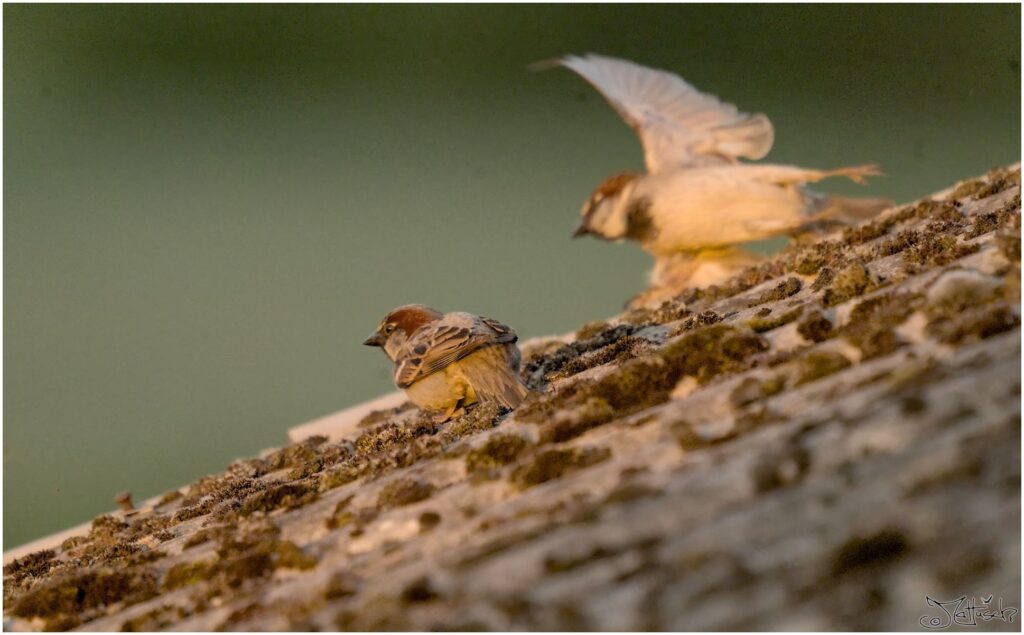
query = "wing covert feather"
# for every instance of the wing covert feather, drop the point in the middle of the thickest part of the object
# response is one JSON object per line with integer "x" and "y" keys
{"x": 435, "y": 346}
{"x": 678, "y": 125}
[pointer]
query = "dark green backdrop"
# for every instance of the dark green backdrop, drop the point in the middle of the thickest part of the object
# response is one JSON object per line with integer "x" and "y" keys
{"x": 208, "y": 207}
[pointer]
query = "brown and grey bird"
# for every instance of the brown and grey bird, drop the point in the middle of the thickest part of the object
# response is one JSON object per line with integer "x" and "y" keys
{"x": 696, "y": 195}
{"x": 446, "y": 361}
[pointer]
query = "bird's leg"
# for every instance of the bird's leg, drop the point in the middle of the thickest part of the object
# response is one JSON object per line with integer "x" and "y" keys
{"x": 448, "y": 414}
{"x": 456, "y": 410}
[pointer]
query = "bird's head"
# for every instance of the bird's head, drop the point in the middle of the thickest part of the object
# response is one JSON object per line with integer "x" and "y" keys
{"x": 399, "y": 325}
{"x": 602, "y": 215}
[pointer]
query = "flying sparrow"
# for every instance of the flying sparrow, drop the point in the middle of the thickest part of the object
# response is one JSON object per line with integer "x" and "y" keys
{"x": 446, "y": 361}
{"x": 696, "y": 195}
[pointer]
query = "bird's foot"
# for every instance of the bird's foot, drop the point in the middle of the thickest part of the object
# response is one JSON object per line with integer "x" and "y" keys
{"x": 859, "y": 173}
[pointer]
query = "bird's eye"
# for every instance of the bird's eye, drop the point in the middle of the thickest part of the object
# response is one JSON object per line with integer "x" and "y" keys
{"x": 389, "y": 329}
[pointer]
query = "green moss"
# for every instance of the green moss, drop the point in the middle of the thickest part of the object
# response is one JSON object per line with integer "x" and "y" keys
{"x": 382, "y": 438}
{"x": 995, "y": 182}
{"x": 339, "y": 476}
{"x": 825, "y": 277}
{"x": 753, "y": 389}
{"x": 225, "y": 490}
{"x": 82, "y": 591}
{"x": 773, "y": 385}
{"x": 73, "y": 542}
{"x": 478, "y": 419}
{"x": 499, "y": 450}
{"x": 593, "y": 412}
{"x": 968, "y": 188}
{"x": 291, "y": 556}
{"x": 591, "y": 329}
{"x": 743, "y": 281}
{"x": 341, "y": 585}
{"x": 936, "y": 250}
{"x": 902, "y": 241}
{"x": 817, "y": 365}
{"x": 428, "y": 521}
{"x": 549, "y": 465}
{"x": 419, "y": 590}
{"x": 815, "y": 327}
{"x": 358, "y": 518}
{"x": 149, "y": 525}
{"x": 669, "y": 311}
{"x": 711, "y": 351}
{"x": 880, "y": 549}
{"x": 194, "y": 511}
{"x": 871, "y": 323}
{"x": 383, "y": 416}
{"x": 809, "y": 259}
{"x": 285, "y": 496}
{"x": 788, "y": 287}
{"x": 852, "y": 281}
{"x": 187, "y": 573}
{"x": 956, "y": 291}
{"x": 153, "y": 620}
{"x": 642, "y": 382}
{"x": 543, "y": 367}
{"x": 974, "y": 324}
{"x": 1009, "y": 246}
{"x": 306, "y": 469}
{"x": 341, "y": 515}
{"x": 169, "y": 497}
{"x": 106, "y": 527}
{"x": 247, "y": 554}
{"x": 637, "y": 384}
{"x": 1011, "y": 284}
{"x": 295, "y": 454}
{"x": 936, "y": 210}
{"x": 623, "y": 349}
{"x": 764, "y": 324}
{"x": 404, "y": 491}
{"x": 869, "y": 231}
{"x": 237, "y": 616}
{"x": 983, "y": 224}
{"x": 33, "y": 565}
{"x": 205, "y": 535}
{"x": 390, "y": 446}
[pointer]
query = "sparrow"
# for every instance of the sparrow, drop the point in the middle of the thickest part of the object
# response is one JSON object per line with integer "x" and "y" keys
{"x": 447, "y": 361}
{"x": 696, "y": 195}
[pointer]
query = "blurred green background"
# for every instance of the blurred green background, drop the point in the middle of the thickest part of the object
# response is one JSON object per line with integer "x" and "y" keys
{"x": 208, "y": 207}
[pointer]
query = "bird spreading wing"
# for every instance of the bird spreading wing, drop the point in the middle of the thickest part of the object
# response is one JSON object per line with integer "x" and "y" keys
{"x": 678, "y": 125}
{"x": 446, "y": 341}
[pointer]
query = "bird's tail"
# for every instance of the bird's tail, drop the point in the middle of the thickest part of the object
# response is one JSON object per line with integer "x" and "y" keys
{"x": 830, "y": 213}
{"x": 493, "y": 374}
{"x": 850, "y": 210}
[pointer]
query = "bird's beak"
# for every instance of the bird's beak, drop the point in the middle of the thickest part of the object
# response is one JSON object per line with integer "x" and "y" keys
{"x": 581, "y": 230}
{"x": 374, "y": 340}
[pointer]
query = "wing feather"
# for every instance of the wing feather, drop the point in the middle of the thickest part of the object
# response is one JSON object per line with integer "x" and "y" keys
{"x": 436, "y": 346}
{"x": 678, "y": 125}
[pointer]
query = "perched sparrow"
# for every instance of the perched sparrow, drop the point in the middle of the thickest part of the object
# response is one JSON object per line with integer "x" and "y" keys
{"x": 696, "y": 195}
{"x": 447, "y": 361}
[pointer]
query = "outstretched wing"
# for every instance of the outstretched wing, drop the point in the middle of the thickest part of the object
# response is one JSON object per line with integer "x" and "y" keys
{"x": 446, "y": 341}
{"x": 678, "y": 125}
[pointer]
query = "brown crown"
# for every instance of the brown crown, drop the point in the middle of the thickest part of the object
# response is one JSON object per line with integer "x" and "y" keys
{"x": 614, "y": 184}
{"x": 411, "y": 317}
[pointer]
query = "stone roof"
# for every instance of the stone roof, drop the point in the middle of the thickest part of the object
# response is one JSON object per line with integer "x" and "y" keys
{"x": 819, "y": 443}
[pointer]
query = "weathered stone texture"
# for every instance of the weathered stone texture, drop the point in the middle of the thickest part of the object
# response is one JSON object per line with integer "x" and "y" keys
{"x": 820, "y": 443}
